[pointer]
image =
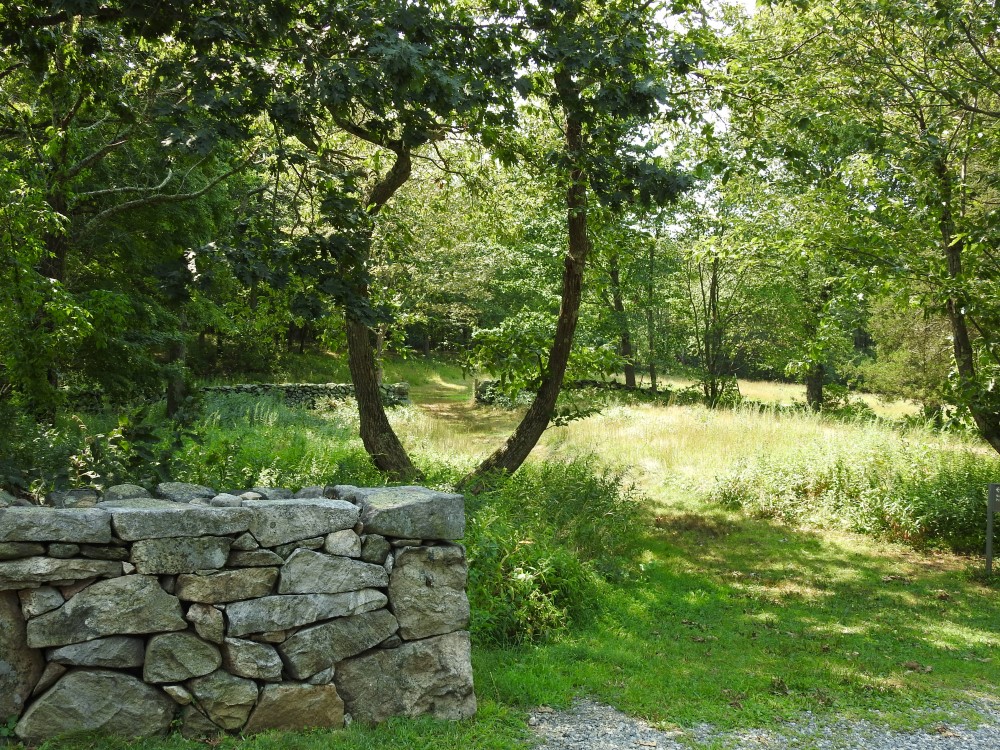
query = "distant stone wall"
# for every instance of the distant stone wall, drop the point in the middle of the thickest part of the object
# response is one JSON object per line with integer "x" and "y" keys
{"x": 232, "y": 612}
{"x": 308, "y": 394}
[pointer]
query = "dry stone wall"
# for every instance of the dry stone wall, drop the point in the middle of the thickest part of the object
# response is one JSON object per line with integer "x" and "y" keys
{"x": 309, "y": 394}
{"x": 210, "y": 612}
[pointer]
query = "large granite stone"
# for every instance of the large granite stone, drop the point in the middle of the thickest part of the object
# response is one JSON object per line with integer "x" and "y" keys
{"x": 307, "y": 572}
{"x": 177, "y": 520}
{"x": 17, "y": 550}
{"x": 225, "y": 699}
{"x": 294, "y": 610}
{"x": 278, "y": 522}
{"x": 316, "y": 648}
{"x": 175, "y": 657}
{"x": 98, "y": 701}
{"x": 37, "y": 524}
{"x": 430, "y": 677}
{"x": 35, "y": 571}
{"x": 115, "y": 652}
{"x": 294, "y": 707}
{"x": 411, "y": 512}
{"x": 427, "y": 590}
{"x": 182, "y": 492}
{"x": 131, "y": 605}
{"x": 257, "y": 661}
{"x": 180, "y": 555}
{"x": 20, "y": 666}
{"x": 227, "y": 585}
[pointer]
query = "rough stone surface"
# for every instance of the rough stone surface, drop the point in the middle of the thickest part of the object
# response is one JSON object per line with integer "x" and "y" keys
{"x": 20, "y": 667}
{"x": 117, "y": 651}
{"x": 34, "y": 571}
{"x": 320, "y": 647}
{"x": 307, "y": 572}
{"x": 50, "y": 676}
{"x": 227, "y": 585}
{"x": 180, "y": 519}
{"x": 344, "y": 543}
{"x": 245, "y": 543}
{"x": 432, "y": 677}
{"x": 315, "y": 491}
{"x": 322, "y": 678}
{"x": 291, "y": 706}
{"x": 282, "y": 612}
{"x": 104, "y": 553}
{"x": 63, "y": 550}
{"x": 18, "y": 550}
{"x": 138, "y": 503}
{"x": 71, "y": 589}
{"x": 131, "y": 605}
{"x": 180, "y": 695}
{"x": 180, "y": 555}
{"x": 38, "y": 601}
{"x": 281, "y": 521}
{"x": 272, "y": 493}
{"x": 427, "y": 590}
{"x": 259, "y": 558}
{"x": 182, "y": 492}
{"x": 258, "y": 661}
{"x": 225, "y": 699}
{"x": 38, "y": 524}
{"x": 284, "y": 550}
{"x": 208, "y": 622}
{"x": 97, "y": 700}
{"x": 175, "y": 657}
{"x": 124, "y": 492}
{"x": 83, "y": 498}
{"x": 196, "y": 726}
{"x": 412, "y": 513}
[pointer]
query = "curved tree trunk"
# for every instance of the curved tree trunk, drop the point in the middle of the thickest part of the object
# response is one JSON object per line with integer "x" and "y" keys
{"x": 380, "y": 440}
{"x": 519, "y": 445}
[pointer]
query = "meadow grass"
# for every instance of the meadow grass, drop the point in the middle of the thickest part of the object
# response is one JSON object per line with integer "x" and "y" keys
{"x": 726, "y": 618}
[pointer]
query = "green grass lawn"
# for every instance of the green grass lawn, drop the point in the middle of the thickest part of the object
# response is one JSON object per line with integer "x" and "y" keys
{"x": 735, "y": 621}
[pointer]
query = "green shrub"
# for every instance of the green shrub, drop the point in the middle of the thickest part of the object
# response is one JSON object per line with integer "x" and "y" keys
{"x": 542, "y": 543}
{"x": 897, "y": 489}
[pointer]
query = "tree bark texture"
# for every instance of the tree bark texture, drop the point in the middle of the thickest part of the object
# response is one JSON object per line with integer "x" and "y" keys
{"x": 625, "y": 336}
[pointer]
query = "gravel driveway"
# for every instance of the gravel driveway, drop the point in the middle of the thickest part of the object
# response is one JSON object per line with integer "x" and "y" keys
{"x": 593, "y": 726}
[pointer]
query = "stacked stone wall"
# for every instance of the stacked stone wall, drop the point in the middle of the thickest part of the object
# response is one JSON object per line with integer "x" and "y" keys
{"x": 309, "y": 394}
{"x": 232, "y": 612}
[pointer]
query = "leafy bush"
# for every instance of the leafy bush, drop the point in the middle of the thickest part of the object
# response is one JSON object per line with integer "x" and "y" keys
{"x": 542, "y": 543}
{"x": 900, "y": 489}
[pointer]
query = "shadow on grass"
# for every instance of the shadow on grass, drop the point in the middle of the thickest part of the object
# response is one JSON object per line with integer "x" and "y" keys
{"x": 742, "y": 622}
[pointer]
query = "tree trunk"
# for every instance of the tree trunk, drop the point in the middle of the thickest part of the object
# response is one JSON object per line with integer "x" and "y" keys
{"x": 986, "y": 420}
{"x": 625, "y": 336}
{"x": 177, "y": 390}
{"x": 379, "y": 438}
{"x": 650, "y": 321}
{"x": 815, "y": 376}
{"x": 519, "y": 445}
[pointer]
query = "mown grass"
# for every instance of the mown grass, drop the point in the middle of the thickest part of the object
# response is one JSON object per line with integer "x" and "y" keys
{"x": 725, "y": 618}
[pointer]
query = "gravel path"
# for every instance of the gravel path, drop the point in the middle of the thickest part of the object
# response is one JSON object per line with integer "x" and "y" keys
{"x": 593, "y": 726}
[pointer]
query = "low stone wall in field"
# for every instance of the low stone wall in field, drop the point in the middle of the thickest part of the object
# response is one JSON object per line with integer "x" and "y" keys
{"x": 308, "y": 394}
{"x": 236, "y": 612}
